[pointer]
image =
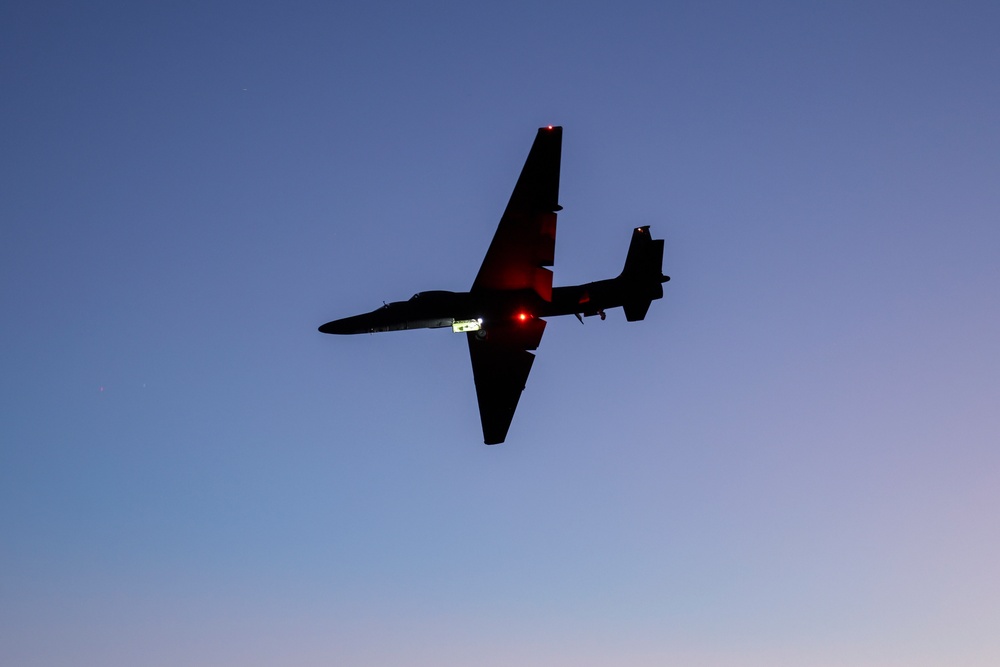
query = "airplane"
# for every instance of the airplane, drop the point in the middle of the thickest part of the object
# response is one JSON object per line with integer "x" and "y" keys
{"x": 502, "y": 314}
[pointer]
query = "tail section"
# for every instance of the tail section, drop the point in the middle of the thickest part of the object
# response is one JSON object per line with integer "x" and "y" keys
{"x": 643, "y": 273}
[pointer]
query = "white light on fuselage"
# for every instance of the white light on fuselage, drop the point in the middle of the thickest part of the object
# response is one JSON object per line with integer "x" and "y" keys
{"x": 463, "y": 326}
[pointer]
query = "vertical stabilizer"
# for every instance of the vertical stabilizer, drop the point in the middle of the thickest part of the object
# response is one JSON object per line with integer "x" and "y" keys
{"x": 643, "y": 273}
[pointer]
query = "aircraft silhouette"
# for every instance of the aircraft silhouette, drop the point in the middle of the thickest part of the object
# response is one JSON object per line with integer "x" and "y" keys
{"x": 502, "y": 314}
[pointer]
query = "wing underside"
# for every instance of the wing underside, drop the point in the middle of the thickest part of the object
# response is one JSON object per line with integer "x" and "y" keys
{"x": 500, "y": 374}
{"x": 518, "y": 258}
{"x": 501, "y": 362}
{"x": 525, "y": 241}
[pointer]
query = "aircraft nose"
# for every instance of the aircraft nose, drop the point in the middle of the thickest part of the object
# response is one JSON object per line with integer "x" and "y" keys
{"x": 335, "y": 327}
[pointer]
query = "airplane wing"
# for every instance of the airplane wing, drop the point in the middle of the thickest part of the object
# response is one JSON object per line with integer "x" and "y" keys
{"x": 523, "y": 246}
{"x": 500, "y": 366}
{"x": 525, "y": 240}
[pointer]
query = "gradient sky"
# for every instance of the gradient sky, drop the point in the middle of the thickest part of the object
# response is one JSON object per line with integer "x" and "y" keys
{"x": 792, "y": 461}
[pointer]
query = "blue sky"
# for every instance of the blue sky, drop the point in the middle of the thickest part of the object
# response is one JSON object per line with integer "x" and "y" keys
{"x": 793, "y": 460}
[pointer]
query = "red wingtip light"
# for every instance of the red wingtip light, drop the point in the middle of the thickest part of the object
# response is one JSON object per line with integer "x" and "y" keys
{"x": 522, "y": 316}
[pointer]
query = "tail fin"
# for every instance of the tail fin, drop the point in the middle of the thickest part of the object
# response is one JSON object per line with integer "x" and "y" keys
{"x": 643, "y": 273}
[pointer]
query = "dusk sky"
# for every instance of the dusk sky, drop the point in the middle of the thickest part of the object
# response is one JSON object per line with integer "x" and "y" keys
{"x": 794, "y": 460}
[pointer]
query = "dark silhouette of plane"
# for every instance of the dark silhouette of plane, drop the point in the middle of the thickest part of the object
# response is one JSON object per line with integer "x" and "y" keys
{"x": 502, "y": 314}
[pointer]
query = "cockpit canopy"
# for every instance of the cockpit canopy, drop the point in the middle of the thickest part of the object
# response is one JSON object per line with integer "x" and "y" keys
{"x": 436, "y": 295}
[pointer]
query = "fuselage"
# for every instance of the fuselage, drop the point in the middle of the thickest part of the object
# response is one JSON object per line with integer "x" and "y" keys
{"x": 470, "y": 311}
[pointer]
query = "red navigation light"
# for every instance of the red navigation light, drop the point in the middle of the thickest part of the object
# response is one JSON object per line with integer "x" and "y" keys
{"x": 522, "y": 316}
{"x": 550, "y": 127}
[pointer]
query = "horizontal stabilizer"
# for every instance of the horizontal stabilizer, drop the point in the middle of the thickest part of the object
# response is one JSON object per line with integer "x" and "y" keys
{"x": 636, "y": 311}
